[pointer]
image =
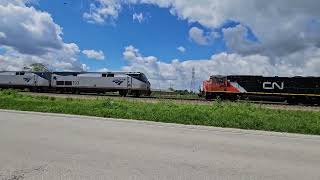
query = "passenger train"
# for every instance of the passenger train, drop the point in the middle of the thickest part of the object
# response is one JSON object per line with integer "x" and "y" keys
{"x": 126, "y": 83}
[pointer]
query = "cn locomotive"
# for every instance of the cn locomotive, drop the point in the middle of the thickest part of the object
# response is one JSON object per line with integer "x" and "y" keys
{"x": 293, "y": 90}
{"x": 126, "y": 83}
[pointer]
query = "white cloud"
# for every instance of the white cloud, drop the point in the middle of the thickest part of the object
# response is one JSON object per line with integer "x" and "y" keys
{"x": 181, "y": 49}
{"x": 92, "y": 54}
{"x": 215, "y": 35}
{"x": 103, "y": 70}
{"x": 84, "y": 67}
{"x": 178, "y": 73}
{"x": 288, "y": 28}
{"x": 236, "y": 40}
{"x": 29, "y": 30}
{"x": 106, "y": 10}
{"x": 17, "y": 2}
{"x": 201, "y": 37}
{"x": 30, "y": 35}
{"x": 197, "y": 35}
{"x": 2, "y": 35}
{"x": 62, "y": 60}
{"x": 138, "y": 17}
{"x": 283, "y": 28}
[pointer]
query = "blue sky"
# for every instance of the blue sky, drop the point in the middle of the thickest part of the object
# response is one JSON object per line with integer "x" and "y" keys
{"x": 160, "y": 34}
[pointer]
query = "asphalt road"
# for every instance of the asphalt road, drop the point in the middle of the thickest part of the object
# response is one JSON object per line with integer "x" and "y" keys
{"x": 44, "y": 146}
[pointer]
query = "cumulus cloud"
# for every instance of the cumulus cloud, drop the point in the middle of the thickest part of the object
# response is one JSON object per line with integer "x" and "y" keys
{"x": 31, "y": 36}
{"x": 236, "y": 40}
{"x": 28, "y": 30}
{"x": 92, "y": 54}
{"x": 17, "y": 2}
{"x": 103, "y": 70}
{"x": 197, "y": 35}
{"x": 102, "y": 11}
{"x": 138, "y": 17}
{"x": 3, "y": 35}
{"x": 62, "y": 60}
{"x": 283, "y": 29}
{"x": 181, "y": 49}
{"x": 288, "y": 28}
{"x": 178, "y": 73}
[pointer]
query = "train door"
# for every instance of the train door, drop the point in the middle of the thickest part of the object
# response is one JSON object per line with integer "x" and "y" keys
{"x": 129, "y": 82}
{"x": 35, "y": 80}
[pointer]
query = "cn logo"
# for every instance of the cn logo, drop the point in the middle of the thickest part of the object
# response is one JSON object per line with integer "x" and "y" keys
{"x": 273, "y": 85}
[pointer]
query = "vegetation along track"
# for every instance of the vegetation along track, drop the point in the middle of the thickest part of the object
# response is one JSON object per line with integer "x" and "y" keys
{"x": 155, "y": 99}
{"x": 217, "y": 113}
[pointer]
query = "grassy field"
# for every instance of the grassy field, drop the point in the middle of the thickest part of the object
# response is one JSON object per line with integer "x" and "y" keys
{"x": 219, "y": 114}
{"x": 175, "y": 95}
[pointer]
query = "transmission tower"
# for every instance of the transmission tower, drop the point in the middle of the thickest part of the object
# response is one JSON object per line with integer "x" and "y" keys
{"x": 193, "y": 80}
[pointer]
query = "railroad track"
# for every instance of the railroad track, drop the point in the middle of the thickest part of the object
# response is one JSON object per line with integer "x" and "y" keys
{"x": 175, "y": 99}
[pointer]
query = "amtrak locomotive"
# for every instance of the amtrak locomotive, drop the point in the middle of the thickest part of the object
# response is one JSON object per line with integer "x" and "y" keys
{"x": 291, "y": 89}
{"x": 132, "y": 83}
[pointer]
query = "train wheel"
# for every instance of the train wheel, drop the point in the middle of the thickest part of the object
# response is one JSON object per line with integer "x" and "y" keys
{"x": 40, "y": 90}
{"x": 123, "y": 93}
{"x": 137, "y": 94}
{"x": 78, "y": 91}
{"x": 208, "y": 97}
{"x": 231, "y": 97}
{"x": 292, "y": 101}
{"x": 34, "y": 89}
{"x": 75, "y": 91}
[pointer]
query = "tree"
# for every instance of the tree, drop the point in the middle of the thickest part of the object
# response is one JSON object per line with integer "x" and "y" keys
{"x": 171, "y": 89}
{"x": 37, "y": 67}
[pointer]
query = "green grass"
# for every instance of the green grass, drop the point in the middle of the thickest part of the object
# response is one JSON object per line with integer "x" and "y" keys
{"x": 175, "y": 95}
{"x": 219, "y": 114}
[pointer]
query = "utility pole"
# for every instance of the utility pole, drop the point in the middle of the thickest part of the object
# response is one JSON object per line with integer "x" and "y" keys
{"x": 193, "y": 80}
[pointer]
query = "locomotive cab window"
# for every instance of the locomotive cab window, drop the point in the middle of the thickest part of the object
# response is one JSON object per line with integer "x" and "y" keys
{"x": 20, "y": 73}
{"x": 140, "y": 77}
{"x": 219, "y": 80}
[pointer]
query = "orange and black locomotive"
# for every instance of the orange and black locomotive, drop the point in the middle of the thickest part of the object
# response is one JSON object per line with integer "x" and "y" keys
{"x": 290, "y": 89}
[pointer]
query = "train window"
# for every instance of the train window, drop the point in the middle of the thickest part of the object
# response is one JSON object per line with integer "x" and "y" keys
{"x": 20, "y": 73}
{"x": 140, "y": 77}
{"x": 110, "y": 75}
{"x": 68, "y": 83}
{"x": 60, "y": 83}
{"x": 104, "y": 75}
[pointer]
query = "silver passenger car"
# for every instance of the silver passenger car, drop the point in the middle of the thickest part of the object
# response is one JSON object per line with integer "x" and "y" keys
{"x": 25, "y": 80}
{"x": 134, "y": 83}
